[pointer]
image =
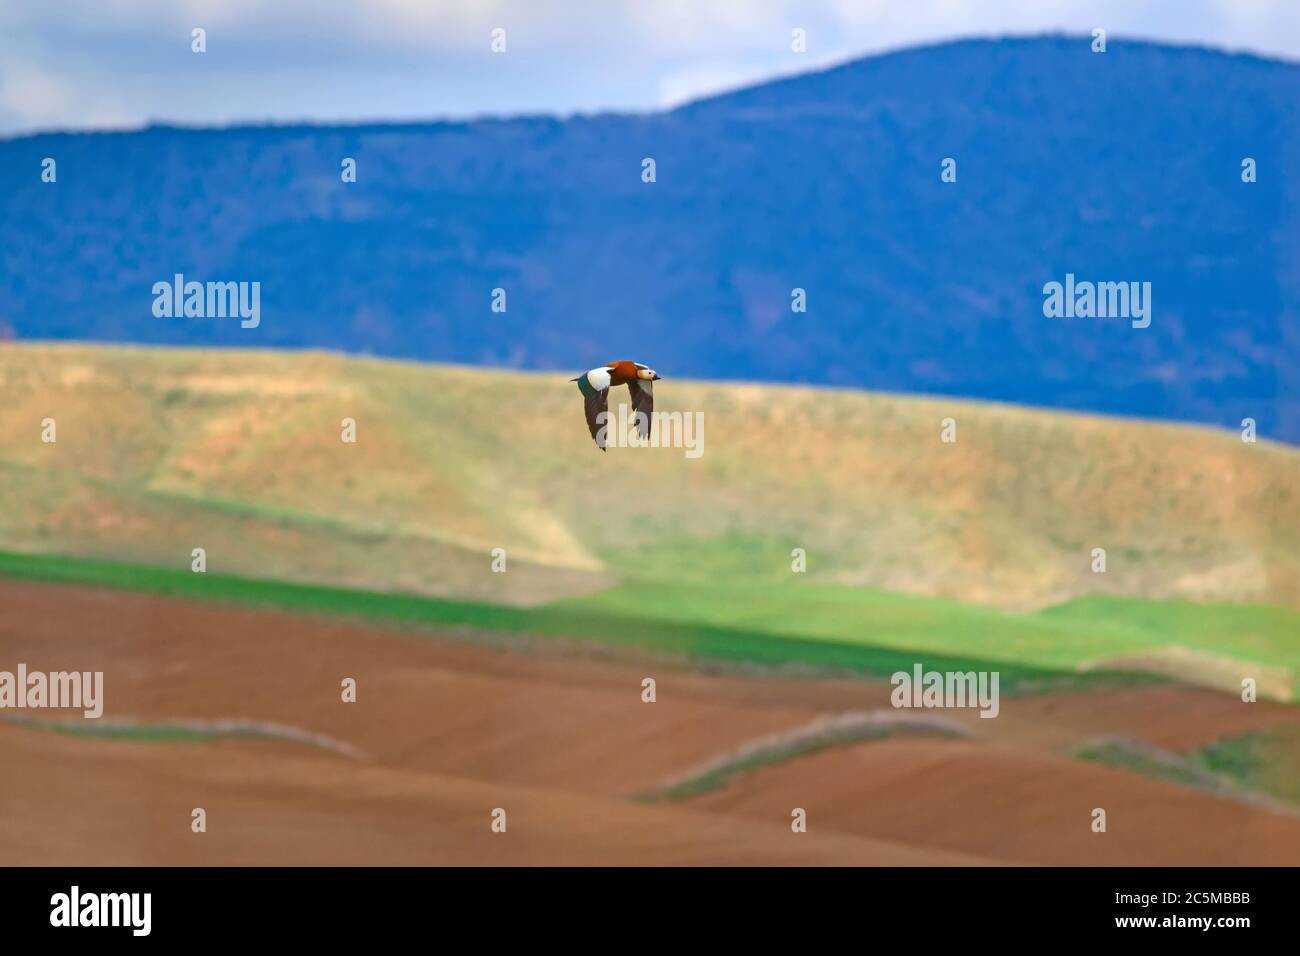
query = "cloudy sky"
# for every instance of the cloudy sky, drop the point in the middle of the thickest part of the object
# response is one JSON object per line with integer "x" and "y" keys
{"x": 122, "y": 63}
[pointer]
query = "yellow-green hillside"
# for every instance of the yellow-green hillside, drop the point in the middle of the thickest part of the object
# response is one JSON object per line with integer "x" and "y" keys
{"x": 239, "y": 452}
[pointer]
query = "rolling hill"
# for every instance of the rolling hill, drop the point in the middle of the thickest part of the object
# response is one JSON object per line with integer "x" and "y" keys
{"x": 980, "y": 550}
{"x": 161, "y": 451}
{"x": 1122, "y": 166}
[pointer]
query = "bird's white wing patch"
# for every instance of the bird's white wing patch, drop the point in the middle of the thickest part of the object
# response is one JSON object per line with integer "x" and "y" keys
{"x": 599, "y": 378}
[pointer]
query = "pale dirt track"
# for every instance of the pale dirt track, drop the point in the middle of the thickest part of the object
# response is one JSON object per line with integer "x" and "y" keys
{"x": 452, "y": 730}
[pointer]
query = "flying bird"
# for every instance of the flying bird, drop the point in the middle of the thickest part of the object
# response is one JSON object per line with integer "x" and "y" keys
{"x": 595, "y": 386}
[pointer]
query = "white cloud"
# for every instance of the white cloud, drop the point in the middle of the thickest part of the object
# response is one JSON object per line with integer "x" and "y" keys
{"x": 94, "y": 62}
{"x": 32, "y": 98}
{"x": 693, "y": 82}
{"x": 31, "y": 94}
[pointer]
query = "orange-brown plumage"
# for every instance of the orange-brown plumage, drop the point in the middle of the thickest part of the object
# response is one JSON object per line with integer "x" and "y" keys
{"x": 620, "y": 373}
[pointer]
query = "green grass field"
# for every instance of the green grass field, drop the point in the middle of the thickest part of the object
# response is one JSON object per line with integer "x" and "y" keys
{"x": 1075, "y": 634}
{"x": 575, "y": 621}
{"x": 1264, "y": 761}
{"x": 817, "y": 628}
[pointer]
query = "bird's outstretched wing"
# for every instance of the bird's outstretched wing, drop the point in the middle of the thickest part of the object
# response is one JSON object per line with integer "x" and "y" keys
{"x": 643, "y": 400}
{"x": 596, "y": 402}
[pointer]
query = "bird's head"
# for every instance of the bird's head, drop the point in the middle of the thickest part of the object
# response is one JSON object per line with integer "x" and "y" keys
{"x": 649, "y": 374}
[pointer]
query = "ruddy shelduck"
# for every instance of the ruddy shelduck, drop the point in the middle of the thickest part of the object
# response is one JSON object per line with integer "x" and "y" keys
{"x": 595, "y": 386}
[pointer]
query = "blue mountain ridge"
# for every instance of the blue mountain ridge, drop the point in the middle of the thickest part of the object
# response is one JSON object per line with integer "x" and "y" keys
{"x": 1115, "y": 166}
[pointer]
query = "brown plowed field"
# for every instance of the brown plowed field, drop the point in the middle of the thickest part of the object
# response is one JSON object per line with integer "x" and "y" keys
{"x": 448, "y": 731}
{"x": 1010, "y": 805}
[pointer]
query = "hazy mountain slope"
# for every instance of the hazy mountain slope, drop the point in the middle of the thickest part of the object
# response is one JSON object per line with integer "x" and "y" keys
{"x": 1116, "y": 166}
{"x": 162, "y": 451}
